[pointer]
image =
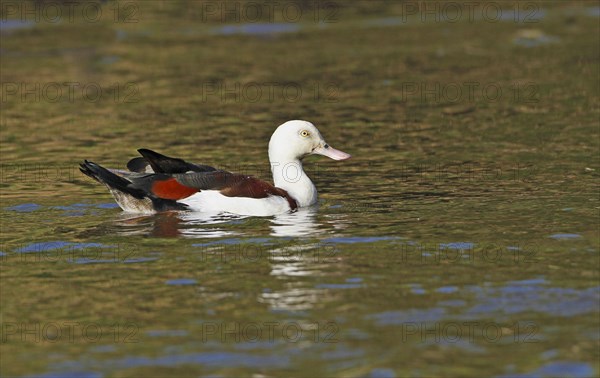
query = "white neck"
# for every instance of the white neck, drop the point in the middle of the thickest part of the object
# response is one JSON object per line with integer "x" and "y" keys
{"x": 289, "y": 175}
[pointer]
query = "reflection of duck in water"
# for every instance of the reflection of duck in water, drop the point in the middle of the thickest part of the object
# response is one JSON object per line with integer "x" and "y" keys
{"x": 156, "y": 182}
{"x": 300, "y": 223}
{"x": 175, "y": 224}
{"x": 193, "y": 224}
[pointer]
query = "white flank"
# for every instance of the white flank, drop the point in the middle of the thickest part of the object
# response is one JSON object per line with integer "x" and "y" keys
{"x": 214, "y": 202}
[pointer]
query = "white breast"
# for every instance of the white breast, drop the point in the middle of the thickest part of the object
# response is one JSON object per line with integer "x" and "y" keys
{"x": 211, "y": 201}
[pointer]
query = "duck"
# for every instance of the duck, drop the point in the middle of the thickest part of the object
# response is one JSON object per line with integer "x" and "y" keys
{"x": 155, "y": 183}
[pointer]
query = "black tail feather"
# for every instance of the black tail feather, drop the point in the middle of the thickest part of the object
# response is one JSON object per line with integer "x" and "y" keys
{"x": 110, "y": 179}
{"x": 123, "y": 185}
{"x": 165, "y": 164}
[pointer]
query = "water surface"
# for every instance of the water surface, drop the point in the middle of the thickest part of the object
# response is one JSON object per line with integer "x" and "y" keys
{"x": 460, "y": 240}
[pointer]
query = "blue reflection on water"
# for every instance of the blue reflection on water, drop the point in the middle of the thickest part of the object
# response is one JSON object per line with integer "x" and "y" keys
{"x": 167, "y": 333}
{"x": 565, "y": 369}
{"x": 110, "y": 205}
{"x": 48, "y": 246}
{"x": 276, "y": 360}
{"x": 382, "y": 373}
{"x": 447, "y": 289}
{"x": 501, "y": 302}
{"x": 354, "y": 279}
{"x": 516, "y": 298}
{"x": 539, "y": 40}
{"x": 181, "y": 281}
{"x": 25, "y": 207}
{"x": 525, "y": 15}
{"x": 593, "y": 11}
{"x": 565, "y": 236}
{"x": 339, "y": 286}
{"x": 103, "y": 349}
{"x": 359, "y": 239}
{"x": 457, "y": 245}
{"x": 6, "y": 25}
{"x": 412, "y": 315}
{"x": 417, "y": 289}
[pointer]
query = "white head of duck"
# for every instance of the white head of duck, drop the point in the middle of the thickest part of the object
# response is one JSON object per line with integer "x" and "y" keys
{"x": 289, "y": 144}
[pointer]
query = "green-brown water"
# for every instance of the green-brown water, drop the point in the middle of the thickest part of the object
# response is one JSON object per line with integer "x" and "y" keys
{"x": 460, "y": 240}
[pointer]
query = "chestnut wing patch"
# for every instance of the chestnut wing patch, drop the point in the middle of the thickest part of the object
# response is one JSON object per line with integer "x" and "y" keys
{"x": 253, "y": 188}
{"x": 171, "y": 189}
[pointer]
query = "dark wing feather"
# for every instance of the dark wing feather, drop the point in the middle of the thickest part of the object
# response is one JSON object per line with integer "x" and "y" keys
{"x": 217, "y": 180}
{"x": 164, "y": 164}
{"x": 138, "y": 164}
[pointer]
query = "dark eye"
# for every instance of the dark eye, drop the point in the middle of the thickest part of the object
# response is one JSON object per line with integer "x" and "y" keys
{"x": 326, "y": 145}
